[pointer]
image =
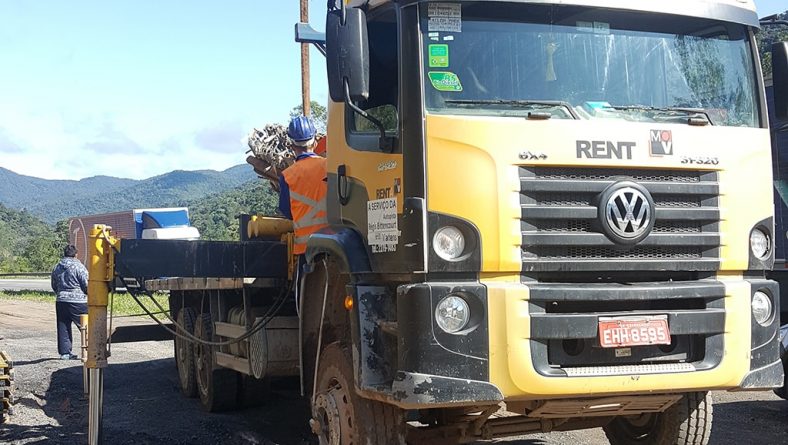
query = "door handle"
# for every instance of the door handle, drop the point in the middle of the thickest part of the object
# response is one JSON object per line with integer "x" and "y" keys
{"x": 343, "y": 190}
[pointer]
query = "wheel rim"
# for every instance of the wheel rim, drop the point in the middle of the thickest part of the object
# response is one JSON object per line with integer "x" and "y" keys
{"x": 183, "y": 353}
{"x": 202, "y": 361}
{"x": 638, "y": 427}
{"x": 334, "y": 412}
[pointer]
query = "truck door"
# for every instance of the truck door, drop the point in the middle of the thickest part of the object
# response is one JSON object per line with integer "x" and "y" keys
{"x": 366, "y": 181}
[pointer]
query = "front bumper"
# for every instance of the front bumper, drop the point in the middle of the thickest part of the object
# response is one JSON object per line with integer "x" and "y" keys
{"x": 506, "y": 355}
{"x": 731, "y": 350}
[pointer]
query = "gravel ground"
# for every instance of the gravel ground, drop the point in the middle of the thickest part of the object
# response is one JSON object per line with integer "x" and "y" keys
{"x": 142, "y": 404}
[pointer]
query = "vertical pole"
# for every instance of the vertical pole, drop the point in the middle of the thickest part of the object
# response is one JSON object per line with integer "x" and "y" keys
{"x": 101, "y": 271}
{"x": 95, "y": 405}
{"x": 305, "y": 100}
{"x": 83, "y": 331}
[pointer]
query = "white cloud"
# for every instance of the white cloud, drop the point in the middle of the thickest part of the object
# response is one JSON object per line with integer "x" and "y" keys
{"x": 70, "y": 145}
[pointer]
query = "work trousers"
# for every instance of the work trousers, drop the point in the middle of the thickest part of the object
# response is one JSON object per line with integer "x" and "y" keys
{"x": 67, "y": 313}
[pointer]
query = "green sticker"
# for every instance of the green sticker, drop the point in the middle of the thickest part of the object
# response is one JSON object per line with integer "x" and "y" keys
{"x": 439, "y": 56}
{"x": 445, "y": 81}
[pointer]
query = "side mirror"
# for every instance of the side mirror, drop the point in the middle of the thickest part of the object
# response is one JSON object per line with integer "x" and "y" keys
{"x": 347, "y": 54}
{"x": 780, "y": 79}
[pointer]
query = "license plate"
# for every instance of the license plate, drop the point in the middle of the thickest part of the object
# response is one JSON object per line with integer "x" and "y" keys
{"x": 615, "y": 332}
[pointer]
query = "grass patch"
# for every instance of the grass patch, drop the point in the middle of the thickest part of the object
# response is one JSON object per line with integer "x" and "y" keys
{"x": 27, "y": 295}
{"x": 123, "y": 303}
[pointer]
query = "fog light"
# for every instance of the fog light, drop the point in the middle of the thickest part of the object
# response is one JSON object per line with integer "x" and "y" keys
{"x": 759, "y": 243}
{"x": 761, "y": 307}
{"x": 448, "y": 243}
{"x": 452, "y": 314}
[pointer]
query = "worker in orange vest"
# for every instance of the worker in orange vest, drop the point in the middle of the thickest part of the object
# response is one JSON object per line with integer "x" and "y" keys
{"x": 303, "y": 187}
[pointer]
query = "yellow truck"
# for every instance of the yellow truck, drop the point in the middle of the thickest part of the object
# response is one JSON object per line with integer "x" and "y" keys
{"x": 544, "y": 215}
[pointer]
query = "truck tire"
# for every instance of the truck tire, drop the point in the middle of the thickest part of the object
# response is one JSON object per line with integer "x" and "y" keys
{"x": 217, "y": 388}
{"x": 782, "y": 392}
{"x": 342, "y": 417}
{"x": 184, "y": 353}
{"x": 687, "y": 422}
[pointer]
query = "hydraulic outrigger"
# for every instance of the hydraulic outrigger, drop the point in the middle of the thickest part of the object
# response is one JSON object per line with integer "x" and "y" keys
{"x": 101, "y": 269}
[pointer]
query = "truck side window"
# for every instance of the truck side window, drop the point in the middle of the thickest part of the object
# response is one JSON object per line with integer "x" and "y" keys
{"x": 383, "y": 83}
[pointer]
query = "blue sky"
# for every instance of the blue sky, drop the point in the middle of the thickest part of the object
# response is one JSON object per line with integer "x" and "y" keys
{"x": 139, "y": 88}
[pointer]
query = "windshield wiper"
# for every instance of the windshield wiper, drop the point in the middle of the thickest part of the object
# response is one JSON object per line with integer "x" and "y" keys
{"x": 518, "y": 103}
{"x": 698, "y": 116}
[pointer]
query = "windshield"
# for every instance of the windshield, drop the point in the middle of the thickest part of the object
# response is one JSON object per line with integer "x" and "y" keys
{"x": 570, "y": 62}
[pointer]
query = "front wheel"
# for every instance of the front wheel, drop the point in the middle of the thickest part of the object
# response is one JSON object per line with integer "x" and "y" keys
{"x": 687, "y": 422}
{"x": 342, "y": 417}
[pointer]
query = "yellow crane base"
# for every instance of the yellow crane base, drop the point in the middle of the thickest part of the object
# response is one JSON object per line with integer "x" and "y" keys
{"x": 6, "y": 386}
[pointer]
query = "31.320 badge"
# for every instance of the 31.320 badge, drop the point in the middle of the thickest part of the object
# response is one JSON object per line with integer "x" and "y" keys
{"x": 700, "y": 160}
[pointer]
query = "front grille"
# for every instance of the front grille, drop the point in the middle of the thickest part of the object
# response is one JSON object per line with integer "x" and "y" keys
{"x": 564, "y": 327}
{"x": 602, "y": 252}
{"x": 561, "y": 229}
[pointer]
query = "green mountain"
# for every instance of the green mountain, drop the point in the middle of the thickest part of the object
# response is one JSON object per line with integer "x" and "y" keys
{"x": 55, "y": 200}
{"x": 20, "y": 191}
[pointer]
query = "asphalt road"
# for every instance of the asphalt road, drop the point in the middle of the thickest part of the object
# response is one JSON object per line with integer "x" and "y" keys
{"x": 143, "y": 406}
{"x": 34, "y": 284}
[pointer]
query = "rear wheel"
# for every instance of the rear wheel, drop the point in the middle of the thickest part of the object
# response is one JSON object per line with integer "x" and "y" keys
{"x": 342, "y": 417}
{"x": 687, "y": 422}
{"x": 217, "y": 388}
{"x": 184, "y": 353}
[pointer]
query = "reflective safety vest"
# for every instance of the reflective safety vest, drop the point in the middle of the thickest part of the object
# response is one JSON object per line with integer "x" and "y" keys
{"x": 306, "y": 181}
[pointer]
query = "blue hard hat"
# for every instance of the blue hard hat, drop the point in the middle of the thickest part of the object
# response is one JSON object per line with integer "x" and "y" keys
{"x": 301, "y": 129}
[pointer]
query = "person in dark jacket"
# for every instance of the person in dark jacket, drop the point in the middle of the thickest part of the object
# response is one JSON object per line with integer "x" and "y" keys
{"x": 70, "y": 283}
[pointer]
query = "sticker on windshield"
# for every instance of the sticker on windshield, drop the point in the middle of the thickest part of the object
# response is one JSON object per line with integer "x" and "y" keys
{"x": 439, "y": 56}
{"x": 445, "y": 81}
{"x": 595, "y": 27}
{"x": 444, "y": 17}
{"x": 601, "y": 28}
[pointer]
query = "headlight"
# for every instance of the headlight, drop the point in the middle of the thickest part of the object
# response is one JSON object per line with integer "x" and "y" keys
{"x": 759, "y": 243}
{"x": 448, "y": 243}
{"x": 452, "y": 314}
{"x": 761, "y": 307}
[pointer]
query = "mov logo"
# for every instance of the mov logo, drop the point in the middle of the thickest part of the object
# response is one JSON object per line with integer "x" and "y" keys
{"x": 661, "y": 143}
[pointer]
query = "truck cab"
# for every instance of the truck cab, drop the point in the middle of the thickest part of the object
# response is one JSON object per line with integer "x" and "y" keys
{"x": 560, "y": 208}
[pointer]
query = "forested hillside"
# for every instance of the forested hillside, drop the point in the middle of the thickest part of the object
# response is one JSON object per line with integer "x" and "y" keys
{"x": 217, "y": 216}
{"x": 29, "y": 245}
{"x": 20, "y": 191}
{"x": 26, "y": 243}
{"x": 766, "y": 37}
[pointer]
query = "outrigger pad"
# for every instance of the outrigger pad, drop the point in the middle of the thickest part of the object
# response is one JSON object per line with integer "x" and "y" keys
{"x": 149, "y": 258}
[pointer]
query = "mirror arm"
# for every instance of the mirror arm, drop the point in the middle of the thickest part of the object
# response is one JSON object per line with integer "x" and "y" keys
{"x": 332, "y": 6}
{"x": 305, "y": 34}
{"x": 385, "y": 143}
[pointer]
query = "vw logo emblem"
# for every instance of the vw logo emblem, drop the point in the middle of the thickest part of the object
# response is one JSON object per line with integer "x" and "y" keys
{"x": 627, "y": 212}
